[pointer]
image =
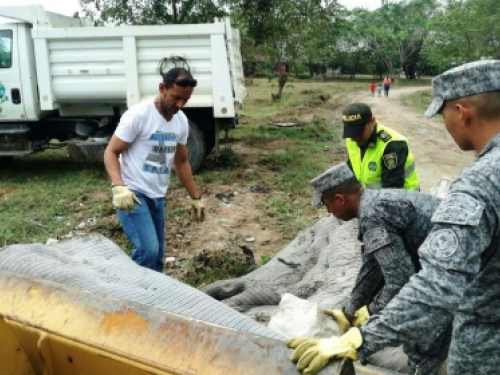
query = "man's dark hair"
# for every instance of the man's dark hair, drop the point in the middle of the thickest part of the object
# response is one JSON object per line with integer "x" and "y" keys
{"x": 176, "y": 74}
{"x": 351, "y": 186}
{"x": 487, "y": 105}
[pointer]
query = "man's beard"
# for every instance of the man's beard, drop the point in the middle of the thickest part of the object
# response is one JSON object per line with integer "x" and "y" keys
{"x": 170, "y": 110}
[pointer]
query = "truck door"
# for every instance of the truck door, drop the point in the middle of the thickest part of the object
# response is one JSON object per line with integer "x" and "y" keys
{"x": 11, "y": 105}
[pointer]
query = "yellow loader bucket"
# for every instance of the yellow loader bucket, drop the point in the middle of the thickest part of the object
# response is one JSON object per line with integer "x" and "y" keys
{"x": 52, "y": 329}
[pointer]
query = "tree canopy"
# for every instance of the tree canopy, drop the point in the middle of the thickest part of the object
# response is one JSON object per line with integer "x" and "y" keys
{"x": 310, "y": 36}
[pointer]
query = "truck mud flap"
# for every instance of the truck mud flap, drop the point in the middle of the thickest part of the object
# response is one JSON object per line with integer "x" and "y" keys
{"x": 87, "y": 150}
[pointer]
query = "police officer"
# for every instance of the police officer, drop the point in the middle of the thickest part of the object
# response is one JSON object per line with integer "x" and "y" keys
{"x": 393, "y": 224}
{"x": 378, "y": 156}
{"x": 459, "y": 283}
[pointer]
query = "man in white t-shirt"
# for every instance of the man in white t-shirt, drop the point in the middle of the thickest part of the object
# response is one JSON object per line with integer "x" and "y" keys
{"x": 151, "y": 138}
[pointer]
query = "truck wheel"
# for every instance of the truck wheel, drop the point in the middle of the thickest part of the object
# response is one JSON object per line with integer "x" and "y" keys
{"x": 197, "y": 146}
{"x": 86, "y": 150}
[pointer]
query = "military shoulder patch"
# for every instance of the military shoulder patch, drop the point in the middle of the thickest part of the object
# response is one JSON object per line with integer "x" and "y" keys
{"x": 383, "y": 135}
{"x": 443, "y": 243}
{"x": 384, "y": 256}
{"x": 390, "y": 160}
{"x": 459, "y": 209}
{"x": 376, "y": 238}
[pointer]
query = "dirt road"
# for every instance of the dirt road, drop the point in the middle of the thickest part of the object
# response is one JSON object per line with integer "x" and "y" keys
{"x": 435, "y": 152}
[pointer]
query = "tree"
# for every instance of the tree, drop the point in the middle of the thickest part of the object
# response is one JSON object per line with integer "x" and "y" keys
{"x": 395, "y": 33}
{"x": 464, "y": 31}
{"x": 320, "y": 48}
{"x": 5, "y": 51}
{"x": 282, "y": 30}
{"x": 152, "y": 12}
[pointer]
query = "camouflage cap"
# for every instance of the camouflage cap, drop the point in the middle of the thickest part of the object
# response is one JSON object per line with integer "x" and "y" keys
{"x": 465, "y": 80}
{"x": 327, "y": 180}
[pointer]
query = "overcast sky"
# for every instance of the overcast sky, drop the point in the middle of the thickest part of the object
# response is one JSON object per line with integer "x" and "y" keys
{"x": 68, "y": 7}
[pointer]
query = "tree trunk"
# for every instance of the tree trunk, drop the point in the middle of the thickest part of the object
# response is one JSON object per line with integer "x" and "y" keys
{"x": 281, "y": 85}
{"x": 411, "y": 71}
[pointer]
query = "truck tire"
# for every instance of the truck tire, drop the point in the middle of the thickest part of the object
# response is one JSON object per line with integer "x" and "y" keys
{"x": 87, "y": 150}
{"x": 197, "y": 146}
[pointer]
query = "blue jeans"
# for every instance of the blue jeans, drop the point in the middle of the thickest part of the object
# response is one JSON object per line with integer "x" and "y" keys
{"x": 145, "y": 228}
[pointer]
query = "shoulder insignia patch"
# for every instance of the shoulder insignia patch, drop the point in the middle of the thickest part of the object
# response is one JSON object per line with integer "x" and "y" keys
{"x": 384, "y": 256}
{"x": 375, "y": 239}
{"x": 459, "y": 209}
{"x": 383, "y": 135}
{"x": 443, "y": 243}
{"x": 390, "y": 160}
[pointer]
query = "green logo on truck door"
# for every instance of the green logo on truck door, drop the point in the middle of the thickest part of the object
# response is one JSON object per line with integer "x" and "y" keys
{"x": 3, "y": 96}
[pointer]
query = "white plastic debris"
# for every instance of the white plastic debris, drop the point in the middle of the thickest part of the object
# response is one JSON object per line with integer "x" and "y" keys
{"x": 441, "y": 188}
{"x": 296, "y": 317}
{"x": 51, "y": 241}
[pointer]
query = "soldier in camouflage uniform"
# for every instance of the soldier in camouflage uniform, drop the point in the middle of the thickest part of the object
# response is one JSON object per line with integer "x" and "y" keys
{"x": 393, "y": 224}
{"x": 459, "y": 283}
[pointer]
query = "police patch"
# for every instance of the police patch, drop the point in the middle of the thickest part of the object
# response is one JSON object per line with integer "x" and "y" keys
{"x": 372, "y": 166}
{"x": 443, "y": 243}
{"x": 384, "y": 256}
{"x": 383, "y": 135}
{"x": 390, "y": 160}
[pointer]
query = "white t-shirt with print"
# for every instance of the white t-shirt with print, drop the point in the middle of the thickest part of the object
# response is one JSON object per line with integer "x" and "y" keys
{"x": 146, "y": 164}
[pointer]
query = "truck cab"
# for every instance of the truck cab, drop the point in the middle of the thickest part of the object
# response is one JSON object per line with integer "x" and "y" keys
{"x": 18, "y": 89}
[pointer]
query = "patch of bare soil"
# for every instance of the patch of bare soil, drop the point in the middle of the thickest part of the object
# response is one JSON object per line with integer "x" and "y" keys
{"x": 234, "y": 219}
{"x": 5, "y": 191}
{"x": 317, "y": 108}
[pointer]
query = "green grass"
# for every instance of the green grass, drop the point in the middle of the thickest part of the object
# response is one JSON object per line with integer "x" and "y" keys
{"x": 218, "y": 265}
{"x": 418, "y": 101}
{"x": 48, "y": 195}
{"x": 266, "y": 258}
{"x": 412, "y": 82}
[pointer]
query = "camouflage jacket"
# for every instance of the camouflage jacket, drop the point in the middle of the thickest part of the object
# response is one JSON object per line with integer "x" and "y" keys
{"x": 393, "y": 225}
{"x": 459, "y": 283}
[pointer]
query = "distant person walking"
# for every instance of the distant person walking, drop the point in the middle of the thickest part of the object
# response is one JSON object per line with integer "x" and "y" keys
{"x": 387, "y": 85}
{"x": 372, "y": 88}
{"x": 379, "y": 90}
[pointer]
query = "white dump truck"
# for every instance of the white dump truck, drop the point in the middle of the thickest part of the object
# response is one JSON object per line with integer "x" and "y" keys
{"x": 62, "y": 78}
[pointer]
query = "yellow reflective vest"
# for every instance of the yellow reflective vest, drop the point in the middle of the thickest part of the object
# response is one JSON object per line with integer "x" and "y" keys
{"x": 369, "y": 169}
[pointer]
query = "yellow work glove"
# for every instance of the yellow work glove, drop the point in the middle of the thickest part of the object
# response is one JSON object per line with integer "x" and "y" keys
{"x": 198, "y": 210}
{"x": 340, "y": 318}
{"x": 362, "y": 317}
{"x": 312, "y": 355}
{"x": 124, "y": 198}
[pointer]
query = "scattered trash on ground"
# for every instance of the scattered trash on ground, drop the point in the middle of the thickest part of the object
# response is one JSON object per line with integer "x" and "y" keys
{"x": 260, "y": 189}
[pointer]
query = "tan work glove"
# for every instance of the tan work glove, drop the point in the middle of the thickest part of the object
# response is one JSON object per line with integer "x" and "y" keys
{"x": 340, "y": 318}
{"x": 124, "y": 198}
{"x": 198, "y": 210}
{"x": 361, "y": 318}
{"x": 312, "y": 355}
